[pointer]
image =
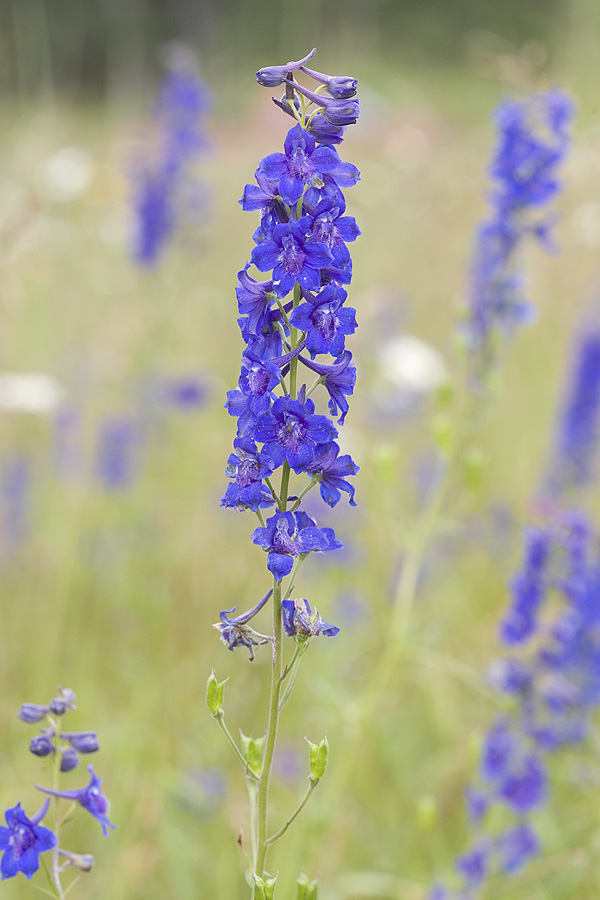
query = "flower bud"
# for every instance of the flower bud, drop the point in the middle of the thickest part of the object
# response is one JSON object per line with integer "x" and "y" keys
{"x": 65, "y": 700}
{"x": 272, "y": 76}
{"x": 252, "y": 751}
{"x": 318, "y": 758}
{"x": 82, "y": 741}
{"x": 214, "y": 693}
{"x": 264, "y": 889}
{"x": 41, "y": 745}
{"x": 33, "y": 712}
{"x": 306, "y": 889}
{"x": 70, "y": 760}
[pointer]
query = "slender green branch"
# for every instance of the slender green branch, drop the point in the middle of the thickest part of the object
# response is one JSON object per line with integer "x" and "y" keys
{"x": 271, "y": 737}
{"x": 304, "y": 492}
{"x": 220, "y": 720}
{"x": 260, "y": 518}
{"x": 291, "y": 671}
{"x": 312, "y": 785}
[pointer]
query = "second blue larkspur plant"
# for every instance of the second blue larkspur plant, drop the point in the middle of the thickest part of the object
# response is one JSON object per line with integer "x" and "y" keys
{"x": 295, "y": 321}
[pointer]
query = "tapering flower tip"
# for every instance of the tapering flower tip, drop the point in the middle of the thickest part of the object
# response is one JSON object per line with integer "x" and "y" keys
{"x": 301, "y": 622}
{"x": 82, "y": 741}
{"x": 272, "y": 76}
{"x": 22, "y": 841}
{"x": 64, "y": 701}
{"x": 41, "y": 745}
{"x": 69, "y": 760}
{"x": 32, "y": 712}
{"x": 90, "y": 798}
{"x": 342, "y": 87}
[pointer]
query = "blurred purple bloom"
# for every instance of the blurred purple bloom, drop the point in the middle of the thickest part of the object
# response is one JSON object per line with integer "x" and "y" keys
{"x": 15, "y": 490}
{"x": 185, "y": 393}
{"x": 23, "y": 840}
{"x": 116, "y": 453}
{"x": 528, "y": 590}
{"x": 532, "y": 143}
{"x": 162, "y": 189}
{"x": 579, "y": 426}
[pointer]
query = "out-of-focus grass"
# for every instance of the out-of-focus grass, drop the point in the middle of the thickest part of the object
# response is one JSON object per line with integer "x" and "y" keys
{"x": 114, "y": 593}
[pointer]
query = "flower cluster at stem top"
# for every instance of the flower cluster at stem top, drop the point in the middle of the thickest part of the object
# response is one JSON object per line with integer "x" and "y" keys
{"x": 295, "y": 323}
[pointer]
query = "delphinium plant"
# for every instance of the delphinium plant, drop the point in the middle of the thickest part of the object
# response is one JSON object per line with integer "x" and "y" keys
{"x": 533, "y": 137}
{"x": 532, "y": 140}
{"x": 294, "y": 325}
{"x": 165, "y": 185}
{"x": 25, "y": 841}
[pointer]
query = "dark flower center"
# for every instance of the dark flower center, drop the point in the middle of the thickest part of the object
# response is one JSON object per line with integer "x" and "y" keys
{"x": 22, "y": 840}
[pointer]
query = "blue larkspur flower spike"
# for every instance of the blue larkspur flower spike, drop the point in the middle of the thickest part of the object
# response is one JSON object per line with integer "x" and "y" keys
{"x": 553, "y": 687}
{"x": 23, "y": 840}
{"x": 532, "y": 142}
{"x": 165, "y": 187}
{"x": 295, "y": 322}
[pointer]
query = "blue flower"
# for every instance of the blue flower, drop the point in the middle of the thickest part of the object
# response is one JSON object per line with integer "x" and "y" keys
{"x": 300, "y": 621}
{"x": 302, "y": 164}
{"x": 23, "y": 840}
{"x": 339, "y": 379}
{"x": 325, "y": 320}
{"x": 291, "y": 431}
{"x": 248, "y": 468}
{"x": 289, "y": 535}
{"x": 291, "y": 257}
{"x": 332, "y": 469}
{"x": 237, "y": 633}
{"x": 90, "y": 798}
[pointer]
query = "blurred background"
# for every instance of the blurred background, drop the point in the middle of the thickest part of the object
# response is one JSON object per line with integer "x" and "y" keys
{"x": 115, "y": 557}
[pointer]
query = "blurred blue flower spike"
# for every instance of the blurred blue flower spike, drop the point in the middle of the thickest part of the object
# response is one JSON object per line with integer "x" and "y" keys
{"x": 166, "y": 189}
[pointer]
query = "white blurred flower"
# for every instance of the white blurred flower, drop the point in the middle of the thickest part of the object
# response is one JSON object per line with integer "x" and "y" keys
{"x": 411, "y": 365}
{"x": 66, "y": 174}
{"x": 29, "y": 392}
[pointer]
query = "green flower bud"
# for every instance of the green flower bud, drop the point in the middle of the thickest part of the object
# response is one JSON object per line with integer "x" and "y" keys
{"x": 252, "y": 751}
{"x": 264, "y": 889}
{"x": 306, "y": 889}
{"x": 214, "y": 693}
{"x": 318, "y": 758}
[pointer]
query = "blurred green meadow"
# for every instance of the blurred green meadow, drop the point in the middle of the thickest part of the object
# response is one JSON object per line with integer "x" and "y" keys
{"x": 112, "y": 592}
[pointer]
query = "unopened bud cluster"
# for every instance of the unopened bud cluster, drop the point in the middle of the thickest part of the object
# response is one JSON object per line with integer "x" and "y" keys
{"x": 67, "y": 745}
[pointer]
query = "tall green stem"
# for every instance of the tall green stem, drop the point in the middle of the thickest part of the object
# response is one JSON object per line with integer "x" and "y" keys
{"x": 265, "y": 773}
